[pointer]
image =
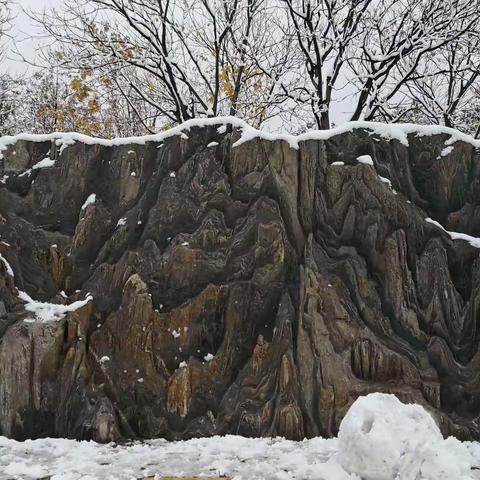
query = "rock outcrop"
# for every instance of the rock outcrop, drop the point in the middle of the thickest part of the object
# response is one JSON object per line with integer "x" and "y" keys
{"x": 255, "y": 289}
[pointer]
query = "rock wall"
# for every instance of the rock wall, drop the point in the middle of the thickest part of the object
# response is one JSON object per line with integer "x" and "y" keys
{"x": 255, "y": 289}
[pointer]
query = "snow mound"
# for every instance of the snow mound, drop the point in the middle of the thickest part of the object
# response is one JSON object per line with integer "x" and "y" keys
{"x": 380, "y": 438}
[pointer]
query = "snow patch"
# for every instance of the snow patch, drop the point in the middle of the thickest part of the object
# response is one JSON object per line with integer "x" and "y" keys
{"x": 385, "y": 180}
{"x": 446, "y": 151}
{"x": 89, "y": 201}
{"x": 388, "y": 182}
{"x": 212, "y": 144}
{"x": 366, "y": 159}
{"x": 337, "y": 164}
{"x": 7, "y": 265}
{"x": 24, "y": 470}
{"x": 473, "y": 241}
{"x": 65, "y": 140}
{"x": 45, "y": 163}
{"x": 208, "y": 357}
{"x": 48, "y": 312}
{"x": 122, "y": 222}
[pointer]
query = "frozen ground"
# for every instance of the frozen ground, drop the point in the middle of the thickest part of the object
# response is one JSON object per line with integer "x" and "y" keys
{"x": 380, "y": 439}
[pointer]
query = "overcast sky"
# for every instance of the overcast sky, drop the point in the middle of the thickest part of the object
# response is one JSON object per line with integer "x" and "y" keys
{"x": 22, "y": 27}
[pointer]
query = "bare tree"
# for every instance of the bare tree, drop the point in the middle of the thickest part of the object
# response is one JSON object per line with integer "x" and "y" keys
{"x": 325, "y": 31}
{"x": 184, "y": 59}
{"x": 400, "y": 35}
{"x": 364, "y": 53}
{"x": 7, "y": 83}
{"x": 167, "y": 61}
{"x": 444, "y": 90}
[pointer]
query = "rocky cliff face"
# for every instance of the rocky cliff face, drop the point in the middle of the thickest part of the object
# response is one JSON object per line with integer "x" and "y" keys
{"x": 255, "y": 289}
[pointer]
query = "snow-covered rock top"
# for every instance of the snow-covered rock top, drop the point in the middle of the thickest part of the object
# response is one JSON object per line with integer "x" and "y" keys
{"x": 399, "y": 132}
{"x": 89, "y": 201}
{"x": 473, "y": 241}
{"x": 48, "y": 312}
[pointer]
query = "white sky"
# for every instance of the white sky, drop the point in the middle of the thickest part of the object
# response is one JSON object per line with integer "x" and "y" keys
{"x": 22, "y": 27}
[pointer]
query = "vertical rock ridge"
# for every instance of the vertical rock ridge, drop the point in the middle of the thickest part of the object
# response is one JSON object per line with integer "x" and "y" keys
{"x": 256, "y": 289}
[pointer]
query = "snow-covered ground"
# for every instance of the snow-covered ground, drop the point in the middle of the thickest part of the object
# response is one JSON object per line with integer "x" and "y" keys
{"x": 379, "y": 439}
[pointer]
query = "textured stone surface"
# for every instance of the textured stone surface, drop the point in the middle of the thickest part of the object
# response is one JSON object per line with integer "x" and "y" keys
{"x": 308, "y": 283}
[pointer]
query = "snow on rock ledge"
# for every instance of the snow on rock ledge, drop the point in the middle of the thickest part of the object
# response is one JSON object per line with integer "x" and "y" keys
{"x": 398, "y": 131}
{"x": 49, "y": 312}
{"x": 473, "y": 241}
{"x": 380, "y": 438}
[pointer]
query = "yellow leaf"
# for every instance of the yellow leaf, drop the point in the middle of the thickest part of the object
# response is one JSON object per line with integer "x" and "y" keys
{"x": 76, "y": 84}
